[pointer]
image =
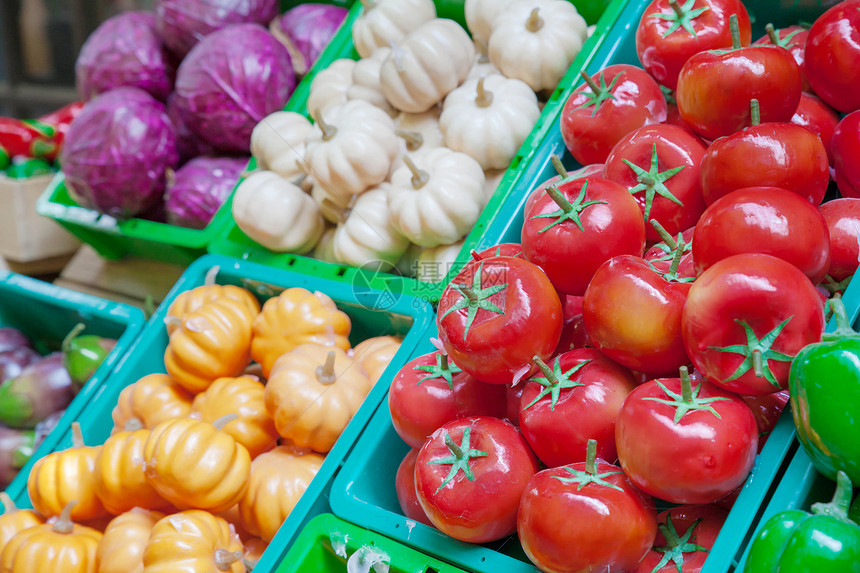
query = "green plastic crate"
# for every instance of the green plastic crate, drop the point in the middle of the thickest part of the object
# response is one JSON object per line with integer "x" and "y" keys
{"x": 327, "y": 542}
{"x": 372, "y": 314}
{"x": 233, "y": 242}
{"x": 142, "y": 238}
{"x": 46, "y": 313}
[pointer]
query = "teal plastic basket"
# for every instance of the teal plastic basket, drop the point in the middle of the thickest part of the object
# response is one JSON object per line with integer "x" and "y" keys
{"x": 46, "y": 313}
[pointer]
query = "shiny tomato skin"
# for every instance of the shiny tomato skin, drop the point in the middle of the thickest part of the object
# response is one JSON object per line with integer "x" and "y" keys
{"x": 501, "y": 250}
{"x": 766, "y": 220}
{"x": 817, "y": 117}
{"x": 704, "y": 534}
{"x": 832, "y": 53}
{"x": 613, "y": 227}
{"x": 767, "y": 409}
{"x": 767, "y": 155}
{"x": 633, "y": 315}
{"x": 637, "y": 101}
{"x": 483, "y": 509}
{"x": 700, "y": 458}
{"x": 513, "y": 394}
{"x": 404, "y": 484}
{"x": 715, "y": 89}
{"x": 419, "y": 406}
{"x": 676, "y": 147}
{"x": 593, "y": 170}
{"x": 843, "y": 222}
{"x": 763, "y": 292}
{"x": 564, "y": 529}
{"x": 664, "y": 55}
{"x": 559, "y": 433}
{"x": 494, "y": 347}
{"x": 573, "y": 333}
{"x": 845, "y": 146}
{"x": 660, "y": 256}
{"x": 795, "y": 44}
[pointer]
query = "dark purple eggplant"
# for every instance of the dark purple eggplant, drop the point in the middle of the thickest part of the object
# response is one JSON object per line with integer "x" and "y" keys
{"x": 13, "y": 362}
{"x": 12, "y": 338}
{"x": 47, "y": 426}
{"x": 39, "y": 391}
{"x": 16, "y": 447}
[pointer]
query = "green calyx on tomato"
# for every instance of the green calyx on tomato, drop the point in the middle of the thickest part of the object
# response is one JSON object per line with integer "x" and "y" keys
{"x": 652, "y": 182}
{"x": 474, "y": 298}
{"x": 444, "y": 369}
{"x": 459, "y": 458}
{"x": 688, "y": 399}
{"x": 674, "y": 250}
{"x": 676, "y": 546}
{"x": 554, "y": 381}
{"x": 757, "y": 352}
{"x": 776, "y": 40}
{"x": 568, "y": 211}
{"x": 599, "y": 92}
{"x": 680, "y": 16}
{"x": 583, "y": 478}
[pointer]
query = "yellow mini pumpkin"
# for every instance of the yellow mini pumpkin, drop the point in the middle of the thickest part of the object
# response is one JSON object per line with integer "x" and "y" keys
{"x": 120, "y": 483}
{"x": 294, "y": 317}
{"x": 14, "y": 520}
{"x": 121, "y": 548}
{"x": 243, "y": 396}
{"x": 193, "y": 464}
{"x": 278, "y": 479}
{"x": 151, "y": 400}
{"x": 193, "y": 541}
{"x": 192, "y": 300}
{"x": 375, "y": 353}
{"x": 254, "y": 549}
{"x": 312, "y": 394}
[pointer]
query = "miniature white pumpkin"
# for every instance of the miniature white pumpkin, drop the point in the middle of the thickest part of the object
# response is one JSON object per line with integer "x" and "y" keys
{"x": 385, "y": 21}
{"x": 489, "y": 119}
{"x": 482, "y": 66}
{"x": 324, "y": 251}
{"x": 278, "y": 143}
{"x": 493, "y": 178}
{"x": 536, "y": 41}
{"x": 367, "y": 238}
{"x": 419, "y": 133}
{"x": 352, "y": 147}
{"x": 276, "y": 213}
{"x": 365, "y": 81}
{"x": 429, "y": 63}
{"x": 435, "y": 263}
{"x": 330, "y": 87}
{"x": 333, "y": 204}
{"x": 481, "y": 14}
{"x": 438, "y": 202}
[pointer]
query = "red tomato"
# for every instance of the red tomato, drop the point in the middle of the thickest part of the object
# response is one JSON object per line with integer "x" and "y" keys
{"x": 766, "y": 409}
{"x": 573, "y": 333}
{"x": 668, "y": 34}
{"x": 792, "y": 39}
{"x": 504, "y": 312}
{"x": 746, "y": 317}
{"x": 593, "y": 170}
{"x": 845, "y": 146}
{"x": 633, "y": 315}
{"x": 843, "y": 221}
{"x": 575, "y": 400}
{"x": 766, "y": 220}
{"x": 686, "y": 535}
{"x": 661, "y": 254}
{"x": 514, "y": 393}
{"x": 610, "y": 105}
{"x": 817, "y": 117}
{"x": 769, "y": 154}
{"x": 430, "y": 391}
{"x": 585, "y": 517}
{"x": 500, "y": 250}
{"x": 470, "y": 476}
{"x": 659, "y": 164}
{"x": 832, "y": 53}
{"x": 715, "y": 88}
{"x": 685, "y": 444}
{"x": 585, "y": 220}
{"x": 404, "y": 484}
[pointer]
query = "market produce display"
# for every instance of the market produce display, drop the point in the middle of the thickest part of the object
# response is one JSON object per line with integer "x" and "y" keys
{"x": 31, "y": 147}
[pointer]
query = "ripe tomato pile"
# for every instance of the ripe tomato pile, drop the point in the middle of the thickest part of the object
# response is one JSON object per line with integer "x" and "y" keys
{"x": 637, "y": 344}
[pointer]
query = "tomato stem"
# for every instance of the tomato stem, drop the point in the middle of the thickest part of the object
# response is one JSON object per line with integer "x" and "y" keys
{"x": 758, "y": 363}
{"x": 664, "y": 234}
{"x": 559, "y": 199}
{"x": 419, "y": 176}
{"x": 452, "y": 445}
{"x": 535, "y": 22}
{"x": 468, "y": 292}
{"x": 677, "y": 8}
{"x": 838, "y": 506}
{"x": 646, "y": 179}
{"x": 443, "y": 361}
{"x": 77, "y": 436}
{"x": 735, "y": 30}
{"x": 328, "y": 131}
{"x": 547, "y": 371}
{"x": 590, "y": 456}
{"x": 559, "y": 167}
{"x": 64, "y": 521}
{"x": 484, "y": 97}
{"x": 676, "y": 262}
{"x": 591, "y": 83}
{"x": 686, "y": 385}
{"x": 771, "y": 34}
{"x": 755, "y": 112}
{"x": 413, "y": 139}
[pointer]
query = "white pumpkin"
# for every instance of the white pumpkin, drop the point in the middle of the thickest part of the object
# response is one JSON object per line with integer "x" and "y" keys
{"x": 386, "y": 21}
{"x": 492, "y": 179}
{"x": 481, "y": 14}
{"x": 276, "y": 213}
{"x": 536, "y": 41}
{"x": 427, "y": 65}
{"x": 278, "y": 143}
{"x": 324, "y": 251}
{"x": 333, "y": 204}
{"x": 365, "y": 81}
{"x": 352, "y": 147}
{"x": 330, "y": 87}
{"x": 489, "y": 119}
{"x": 482, "y": 66}
{"x": 435, "y": 263}
{"x": 367, "y": 238}
{"x": 419, "y": 133}
{"x": 438, "y": 202}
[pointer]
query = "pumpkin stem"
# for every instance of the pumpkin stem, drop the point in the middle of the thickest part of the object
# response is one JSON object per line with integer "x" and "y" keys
{"x": 8, "y": 504}
{"x": 485, "y": 98}
{"x": 483, "y": 52}
{"x": 224, "y": 420}
{"x": 328, "y": 130}
{"x": 368, "y": 5}
{"x": 535, "y": 22}
{"x": 169, "y": 177}
{"x": 132, "y": 425}
{"x": 304, "y": 173}
{"x": 419, "y": 176}
{"x": 224, "y": 559}
{"x": 64, "y": 521}
{"x": 559, "y": 167}
{"x": 174, "y": 321}
{"x": 77, "y": 436}
{"x": 414, "y": 140}
{"x": 325, "y": 373}
{"x": 211, "y": 275}
{"x": 67, "y": 341}
{"x": 337, "y": 212}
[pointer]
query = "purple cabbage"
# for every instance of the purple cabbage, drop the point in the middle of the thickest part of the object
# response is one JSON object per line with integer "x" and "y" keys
{"x": 199, "y": 188}
{"x": 230, "y": 81}
{"x": 116, "y": 153}
{"x": 187, "y": 142}
{"x": 306, "y": 30}
{"x": 125, "y": 50}
{"x": 184, "y": 23}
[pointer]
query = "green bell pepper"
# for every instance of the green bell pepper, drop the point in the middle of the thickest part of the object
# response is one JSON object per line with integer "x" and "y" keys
{"x": 795, "y": 541}
{"x": 824, "y": 383}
